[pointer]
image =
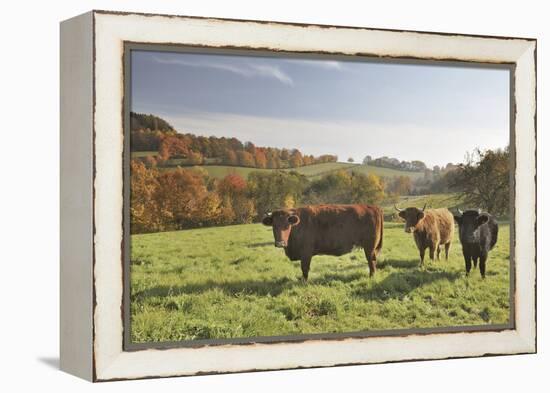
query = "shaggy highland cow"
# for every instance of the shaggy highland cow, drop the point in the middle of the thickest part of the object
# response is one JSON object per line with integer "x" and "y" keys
{"x": 431, "y": 229}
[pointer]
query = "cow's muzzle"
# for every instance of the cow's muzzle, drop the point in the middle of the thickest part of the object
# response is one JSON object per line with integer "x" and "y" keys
{"x": 280, "y": 244}
{"x": 409, "y": 229}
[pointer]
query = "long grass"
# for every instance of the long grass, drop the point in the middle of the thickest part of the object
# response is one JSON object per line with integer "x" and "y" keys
{"x": 229, "y": 282}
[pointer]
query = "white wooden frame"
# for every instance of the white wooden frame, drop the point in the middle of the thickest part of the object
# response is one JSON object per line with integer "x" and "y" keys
{"x": 92, "y": 194}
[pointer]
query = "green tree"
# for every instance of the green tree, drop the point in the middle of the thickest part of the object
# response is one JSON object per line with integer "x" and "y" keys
{"x": 366, "y": 188}
{"x": 275, "y": 190}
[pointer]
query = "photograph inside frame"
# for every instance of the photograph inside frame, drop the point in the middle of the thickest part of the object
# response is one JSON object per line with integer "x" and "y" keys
{"x": 287, "y": 196}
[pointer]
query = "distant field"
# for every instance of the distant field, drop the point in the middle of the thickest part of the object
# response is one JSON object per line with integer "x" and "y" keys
{"x": 139, "y": 154}
{"x": 311, "y": 171}
{"x": 219, "y": 171}
{"x": 317, "y": 170}
{"x": 231, "y": 281}
{"x": 386, "y": 172}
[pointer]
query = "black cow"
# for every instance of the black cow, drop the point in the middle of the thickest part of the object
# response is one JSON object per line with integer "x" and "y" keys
{"x": 478, "y": 234}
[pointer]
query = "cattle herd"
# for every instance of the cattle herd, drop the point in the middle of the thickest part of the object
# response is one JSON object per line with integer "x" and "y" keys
{"x": 336, "y": 229}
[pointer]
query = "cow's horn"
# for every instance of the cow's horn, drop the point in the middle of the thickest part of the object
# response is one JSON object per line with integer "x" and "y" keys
{"x": 478, "y": 211}
{"x": 460, "y": 212}
{"x": 424, "y": 208}
{"x": 398, "y": 209}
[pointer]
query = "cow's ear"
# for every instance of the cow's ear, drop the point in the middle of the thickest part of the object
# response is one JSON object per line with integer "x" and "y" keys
{"x": 401, "y": 214}
{"x": 458, "y": 219}
{"x": 482, "y": 219}
{"x": 420, "y": 215}
{"x": 268, "y": 220}
{"x": 293, "y": 220}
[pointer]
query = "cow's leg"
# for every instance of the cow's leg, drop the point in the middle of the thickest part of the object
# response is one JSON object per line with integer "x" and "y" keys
{"x": 475, "y": 258}
{"x": 438, "y": 248}
{"x": 422, "y": 251}
{"x": 447, "y": 248}
{"x": 304, "y": 263}
{"x": 370, "y": 253}
{"x": 468, "y": 263}
{"x": 432, "y": 251}
{"x": 482, "y": 260}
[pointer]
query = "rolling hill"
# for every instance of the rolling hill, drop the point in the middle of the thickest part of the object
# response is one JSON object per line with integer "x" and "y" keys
{"x": 311, "y": 171}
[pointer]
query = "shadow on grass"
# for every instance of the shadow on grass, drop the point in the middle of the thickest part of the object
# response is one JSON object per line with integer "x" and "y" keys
{"x": 248, "y": 287}
{"x": 398, "y": 263}
{"x": 340, "y": 276}
{"x": 399, "y": 284}
{"x": 272, "y": 287}
{"x": 394, "y": 286}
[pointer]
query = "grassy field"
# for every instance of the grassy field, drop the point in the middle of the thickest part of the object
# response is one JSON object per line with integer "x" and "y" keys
{"x": 386, "y": 172}
{"x": 139, "y": 154}
{"x": 231, "y": 281}
{"x": 311, "y": 171}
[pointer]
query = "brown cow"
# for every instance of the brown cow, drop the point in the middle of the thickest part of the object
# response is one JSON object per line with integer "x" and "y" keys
{"x": 431, "y": 229}
{"x": 327, "y": 230}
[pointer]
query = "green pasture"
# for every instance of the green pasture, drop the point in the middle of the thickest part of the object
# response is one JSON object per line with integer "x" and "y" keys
{"x": 311, "y": 171}
{"x": 229, "y": 282}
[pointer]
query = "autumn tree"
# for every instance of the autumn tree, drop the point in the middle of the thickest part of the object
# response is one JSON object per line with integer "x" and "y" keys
{"x": 273, "y": 160}
{"x": 401, "y": 185}
{"x": 260, "y": 159}
{"x": 285, "y": 154}
{"x": 250, "y": 147}
{"x": 296, "y": 159}
{"x": 237, "y": 207}
{"x": 230, "y": 157}
{"x": 244, "y": 158}
{"x": 484, "y": 180}
{"x": 180, "y": 196}
{"x": 172, "y": 146}
{"x": 194, "y": 158}
{"x": 144, "y": 211}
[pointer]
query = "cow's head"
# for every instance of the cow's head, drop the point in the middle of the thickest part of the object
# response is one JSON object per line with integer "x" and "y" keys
{"x": 469, "y": 222}
{"x": 412, "y": 217}
{"x": 282, "y": 222}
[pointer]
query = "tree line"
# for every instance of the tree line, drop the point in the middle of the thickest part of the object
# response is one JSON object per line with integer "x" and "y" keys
{"x": 184, "y": 198}
{"x": 394, "y": 163}
{"x": 153, "y": 134}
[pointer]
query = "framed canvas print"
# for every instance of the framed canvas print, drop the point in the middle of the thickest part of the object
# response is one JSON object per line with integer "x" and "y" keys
{"x": 245, "y": 195}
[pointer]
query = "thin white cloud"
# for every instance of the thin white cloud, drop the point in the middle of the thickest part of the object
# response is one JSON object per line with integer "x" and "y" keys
{"x": 273, "y": 72}
{"x": 434, "y": 146}
{"x": 326, "y": 64}
{"x": 248, "y": 70}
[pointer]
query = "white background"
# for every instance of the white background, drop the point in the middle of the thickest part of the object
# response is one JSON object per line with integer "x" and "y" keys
{"x": 29, "y": 196}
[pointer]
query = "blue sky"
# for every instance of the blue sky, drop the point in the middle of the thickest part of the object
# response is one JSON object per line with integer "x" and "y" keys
{"x": 350, "y": 108}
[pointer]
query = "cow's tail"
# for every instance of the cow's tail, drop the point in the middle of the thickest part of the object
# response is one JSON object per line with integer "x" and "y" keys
{"x": 381, "y": 232}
